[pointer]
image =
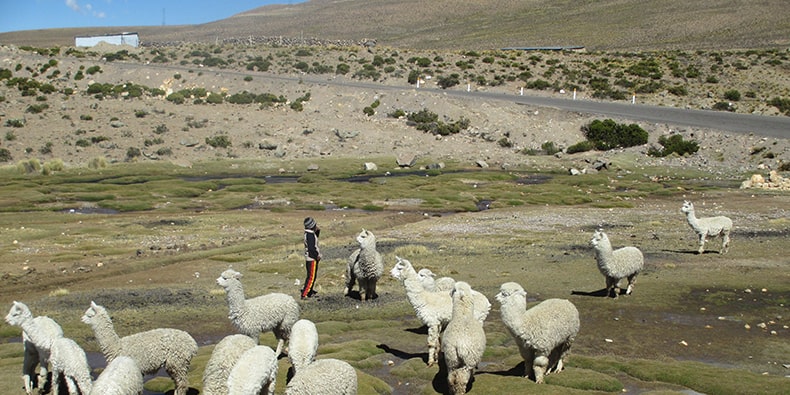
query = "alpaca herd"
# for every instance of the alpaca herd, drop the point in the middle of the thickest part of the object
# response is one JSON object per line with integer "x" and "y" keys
{"x": 452, "y": 311}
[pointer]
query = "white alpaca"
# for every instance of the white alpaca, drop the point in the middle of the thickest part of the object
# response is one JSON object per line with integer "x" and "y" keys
{"x": 37, "y": 336}
{"x": 274, "y": 312}
{"x": 710, "y": 226}
{"x": 324, "y": 377}
{"x": 120, "y": 377}
{"x": 463, "y": 341}
{"x": 434, "y": 309}
{"x": 446, "y": 284}
{"x": 224, "y": 356}
{"x": 617, "y": 264}
{"x": 254, "y": 373}
{"x": 544, "y": 333}
{"x": 172, "y": 349}
{"x": 365, "y": 266}
{"x": 68, "y": 361}
{"x": 303, "y": 344}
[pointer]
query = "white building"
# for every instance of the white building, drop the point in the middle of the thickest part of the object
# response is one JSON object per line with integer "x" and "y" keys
{"x": 125, "y": 38}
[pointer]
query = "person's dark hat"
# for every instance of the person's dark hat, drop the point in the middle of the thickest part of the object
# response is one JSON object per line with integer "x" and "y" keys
{"x": 309, "y": 223}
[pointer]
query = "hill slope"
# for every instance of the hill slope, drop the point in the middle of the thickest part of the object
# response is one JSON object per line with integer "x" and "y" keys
{"x": 477, "y": 24}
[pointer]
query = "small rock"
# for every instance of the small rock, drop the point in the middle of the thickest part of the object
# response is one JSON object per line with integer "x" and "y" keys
{"x": 683, "y": 342}
{"x": 370, "y": 166}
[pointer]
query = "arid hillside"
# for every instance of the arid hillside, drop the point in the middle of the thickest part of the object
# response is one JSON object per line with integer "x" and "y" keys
{"x": 478, "y": 25}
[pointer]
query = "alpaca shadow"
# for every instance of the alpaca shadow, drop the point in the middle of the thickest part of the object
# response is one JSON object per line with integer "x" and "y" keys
{"x": 439, "y": 382}
{"x": 690, "y": 252}
{"x": 403, "y": 355}
{"x": 515, "y": 371}
{"x": 190, "y": 391}
{"x": 601, "y": 293}
{"x": 356, "y": 295}
{"x": 423, "y": 330}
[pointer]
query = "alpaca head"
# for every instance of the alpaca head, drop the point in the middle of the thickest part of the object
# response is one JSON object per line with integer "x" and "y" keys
{"x": 510, "y": 291}
{"x": 92, "y": 312}
{"x": 227, "y": 276}
{"x": 687, "y": 207}
{"x": 461, "y": 289}
{"x": 366, "y": 238}
{"x": 401, "y": 266}
{"x": 18, "y": 313}
{"x": 599, "y": 239}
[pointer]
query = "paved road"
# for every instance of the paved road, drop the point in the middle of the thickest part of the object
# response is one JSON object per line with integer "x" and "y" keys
{"x": 762, "y": 125}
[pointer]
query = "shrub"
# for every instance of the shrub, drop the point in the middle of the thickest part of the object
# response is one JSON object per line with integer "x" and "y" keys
{"x": 678, "y": 90}
{"x": 608, "y": 134}
{"x": 160, "y": 129}
{"x": 214, "y": 98}
{"x": 581, "y": 146}
{"x": 397, "y": 113}
{"x": 140, "y": 113}
{"x": 550, "y": 148}
{"x": 221, "y": 141}
{"x": 505, "y": 142}
{"x": 241, "y": 98}
{"x": 37, "y": 108}
{"x": 10, "y": 136}
{"x": 83, "y": 143}
{"x": 780, "y": 103}
{"x": 93, "y": 70}
{"x": 5, "y": 155}
{"x": 98, "y": 163}
{"x": 674, "y": 143}
{"x": 342, "y": 69}
{"x": 248, "y": 78}
{"x": 132, "y": 153}
{"x": 46, "y": 149}
{"x": 451, "y": 80}
{"x": 369, "y": 111}
{"x": 732, "y": 95}
{"x": 176, "y": 97}
{"x": 15, "y": 123}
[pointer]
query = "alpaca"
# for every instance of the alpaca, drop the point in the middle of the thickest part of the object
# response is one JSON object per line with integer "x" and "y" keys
{"x": 364, "y": 266}
{"x": 68, "y": 361}
{"x": 463, "y": 341}
{"x": 224, "y": 356}
{"x": 151, "y": 350}
{"x": 37, "y": 336}
{"x": 275, "y": 312}
{"x": 543, "y": 333}
{"x": 709, "y": 226}
{"x": 617, "y": 264}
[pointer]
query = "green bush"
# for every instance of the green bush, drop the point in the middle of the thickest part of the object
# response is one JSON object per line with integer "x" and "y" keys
{"x": 342, "y": 69}
{"x": 132, "y": 153}
{"x": 176, "y": 97}
{"x": 550, "y": 148}
{"x": 732, "y": 95}
{"x": 581, "y": 146}
{"x": 37, "y": 108}
{"x": 220, "y": 141}
{"x": 608, "y": 134}
{"x": 782, "y": 104}
{"x": 214, "y": 98}
{"x": 93, "y": 70}
{"x": 5, "y": 155}
{"x": 15, "y": 123}
{"x": 451, "y": 80}
{"x": 674, "y": 143}
{"x": 397, "y": 113}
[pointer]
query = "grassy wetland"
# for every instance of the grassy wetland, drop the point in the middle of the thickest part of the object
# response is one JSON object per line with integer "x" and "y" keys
{"x": 147, "y": 241}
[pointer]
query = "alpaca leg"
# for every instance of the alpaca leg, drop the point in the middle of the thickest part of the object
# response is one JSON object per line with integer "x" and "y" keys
{"x": 539, "y": 366}
{"x": 725, "y": 242}
{"x": 529, "y": 356}
{"x": 458, "y": 379}
{"x": 29, "y": 364}
{"x": 55, "y": 383}
{"x": 631, "y": 282}
{"x": 701, "y": 244}
{"x": 433, "y": 336}
{"x": 180, "y": 377}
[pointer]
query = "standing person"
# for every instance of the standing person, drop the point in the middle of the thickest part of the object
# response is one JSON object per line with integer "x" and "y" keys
{"x": 312, "y": 255}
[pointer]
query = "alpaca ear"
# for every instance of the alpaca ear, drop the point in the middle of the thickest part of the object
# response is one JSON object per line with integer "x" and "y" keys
{"x": 93, "y": 304}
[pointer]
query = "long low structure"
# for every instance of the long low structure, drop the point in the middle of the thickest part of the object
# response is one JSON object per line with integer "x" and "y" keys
{"x": 132, "y": 39}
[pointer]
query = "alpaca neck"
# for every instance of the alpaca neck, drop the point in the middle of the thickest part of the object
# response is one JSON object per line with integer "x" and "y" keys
{"x": 235, "y": 296}
{"x": 513, "y": 314}
{"x": 463, "y": 309}
{"x": 33, "y": 332}
{"x": 109, "y": 341}
{"x": 692, "y": 219}
{"x": 603, "y": 252}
